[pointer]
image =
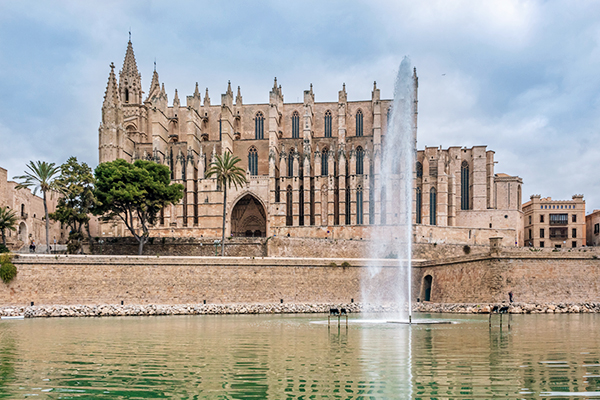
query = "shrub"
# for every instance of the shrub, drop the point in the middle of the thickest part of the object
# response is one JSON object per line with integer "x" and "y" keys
{"x": 8, "y": 271}
{"x": 3, "y": 248}
{"x": 333, "y": 264}
{"x": 346, "y": 264}
{"x": 467, "y": 249}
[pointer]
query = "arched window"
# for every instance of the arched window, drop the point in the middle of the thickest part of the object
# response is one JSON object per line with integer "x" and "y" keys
{"x": 360, "y": 155}
{"x": 519, "y": 197}
{"x": 295, "y": 125}
{"x": 253, "y": 161}
{"x": 432, "y": 207}
{"x": 327, "y": 123}
{"x": 348, "y": 209}
{"x": 289, "y": 219}
{"x": 126, "y": 95}
{"x": 291, "y": 163}
{"x": 359, "y": 123}
{"x": 277, "y": 191}
{"x": 464, "y": 186}
{"x": 359, "y": 205}
{"x": 22, "y": 210}
{"x": 419, "y": 170}
{"x": 259, "y": 126}
{"x": 419, "y": 201}
{"x": 324, "y": 163}
{"x": 301, "y": 206}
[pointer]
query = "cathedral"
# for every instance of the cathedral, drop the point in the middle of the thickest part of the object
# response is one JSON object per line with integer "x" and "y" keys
{"x": 311, "y": 167}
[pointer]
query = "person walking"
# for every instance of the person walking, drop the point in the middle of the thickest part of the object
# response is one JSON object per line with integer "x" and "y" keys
{"x": 510, "y": 297}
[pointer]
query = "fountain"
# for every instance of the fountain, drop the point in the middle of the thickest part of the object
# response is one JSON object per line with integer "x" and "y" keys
{"x": 387, "y": 284}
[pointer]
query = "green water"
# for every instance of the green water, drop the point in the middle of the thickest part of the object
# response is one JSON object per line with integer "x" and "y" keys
{"x": 298, "y": 357}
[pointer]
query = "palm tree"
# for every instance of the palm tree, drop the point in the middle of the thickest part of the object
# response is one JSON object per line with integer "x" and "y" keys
{"x": 227, "y": 173}
{"x": 8, "y": 221}
{"x": 41, "y": 175}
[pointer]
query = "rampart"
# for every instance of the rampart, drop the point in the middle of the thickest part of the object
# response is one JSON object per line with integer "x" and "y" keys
{"x": 549, "y": 277}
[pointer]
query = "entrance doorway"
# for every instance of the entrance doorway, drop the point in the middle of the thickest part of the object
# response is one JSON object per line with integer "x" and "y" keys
{"x": 248, "y": 218}
{"x": 23, "y": 232}
{"x": 426, "y": 290}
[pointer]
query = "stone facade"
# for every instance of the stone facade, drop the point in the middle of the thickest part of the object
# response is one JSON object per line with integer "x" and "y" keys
{"x": 30, "y": 214}
{"x": 592, "y": 228}
{"x": 312, "y": 167}
{"x": 555, "y": 223}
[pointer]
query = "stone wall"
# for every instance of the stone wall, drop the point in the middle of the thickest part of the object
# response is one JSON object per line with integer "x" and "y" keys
{"x": 555, "y": 277}
{"x": 69, "y": 280}
{"x": 168, "y": 246}
{"x": 531, "y": 277}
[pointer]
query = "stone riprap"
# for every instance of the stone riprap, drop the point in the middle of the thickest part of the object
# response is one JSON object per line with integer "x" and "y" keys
{"x": 513, "y": 308}
{"x": 113, "y": 310}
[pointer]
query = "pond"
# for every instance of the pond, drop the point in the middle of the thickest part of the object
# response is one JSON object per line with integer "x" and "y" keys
{"x": 299, "y": 357}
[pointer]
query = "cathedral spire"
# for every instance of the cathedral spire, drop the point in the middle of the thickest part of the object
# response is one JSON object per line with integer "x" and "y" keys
{"x": 154, "y": 85}
{"x": 196, "y": 91}
{"x": 229, "y": 91}
{"x": 130, "y": 79}
{"x": 111, "y": 96}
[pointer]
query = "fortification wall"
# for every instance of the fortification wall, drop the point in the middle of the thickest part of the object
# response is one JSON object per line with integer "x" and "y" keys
{"x": 552, "y": 277}
{"x": 69, "y": 280}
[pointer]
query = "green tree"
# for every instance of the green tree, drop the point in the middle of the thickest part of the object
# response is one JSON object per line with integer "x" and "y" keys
{"x": 73, "y": 209}
{"x": 42, "y": 176}
{"x": 8, "y": 221}
{"x": 131, "y": 192}
{"x": 227, "y": 174}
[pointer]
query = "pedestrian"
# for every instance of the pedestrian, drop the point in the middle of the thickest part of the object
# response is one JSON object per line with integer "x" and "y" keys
{"x": 510, "y": 296}
{"x": 32, "y": 247}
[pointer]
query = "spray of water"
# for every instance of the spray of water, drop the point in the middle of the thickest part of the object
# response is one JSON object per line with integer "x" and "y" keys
{"x": 386, "y": 286}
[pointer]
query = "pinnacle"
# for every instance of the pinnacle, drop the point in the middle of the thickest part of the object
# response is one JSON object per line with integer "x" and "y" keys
{"x": 196, "y": 91}
{"x": 111, "y": 96}
{"x": 129, "y": 64}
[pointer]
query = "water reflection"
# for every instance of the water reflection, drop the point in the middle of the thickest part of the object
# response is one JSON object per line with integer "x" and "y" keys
{"x": 249, "y": 357}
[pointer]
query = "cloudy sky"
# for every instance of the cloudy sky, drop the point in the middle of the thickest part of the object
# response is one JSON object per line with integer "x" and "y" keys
{"x": 522, "y": 77}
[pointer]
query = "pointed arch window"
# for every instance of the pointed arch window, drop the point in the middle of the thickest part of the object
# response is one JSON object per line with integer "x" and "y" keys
{"x": 301, "y": 206}
{"x": 327, "y": 123}
{"x": 259, "y": 126}
{"x": 419, "y": 202}
{"x": 359, "y": 205}
{"x": 295, "y": 125}
{"x": 419, "y": 170}
{"x": 289, "y": 219}
{"x": 126, "y": 95}
{"x": 253, "y": 161}
{"x": 324, "y": 162}
{"x": 291, "y": 163}
{"x": 348, "y": 209}
{"x": 432, "y": 207}
{"x": 359, "y": 123}
{"x": 464, "y": 186}
{"x": 360, "y": 155}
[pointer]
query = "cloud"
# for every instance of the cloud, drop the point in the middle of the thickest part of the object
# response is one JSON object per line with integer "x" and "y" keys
{"x": 518, "y": 76}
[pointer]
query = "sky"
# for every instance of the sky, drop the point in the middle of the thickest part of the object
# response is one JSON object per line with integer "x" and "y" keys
{"x": 521, "y": 77}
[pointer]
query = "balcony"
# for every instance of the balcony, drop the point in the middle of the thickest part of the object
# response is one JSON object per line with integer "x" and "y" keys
{"x": 559, "y": 219}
